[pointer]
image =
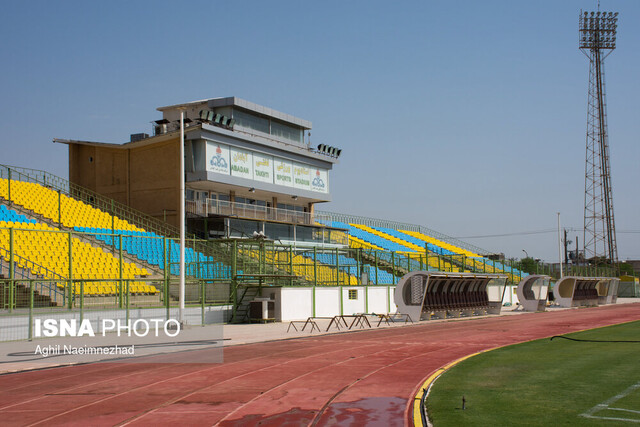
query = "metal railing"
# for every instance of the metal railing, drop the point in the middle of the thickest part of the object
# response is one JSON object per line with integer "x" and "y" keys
{"x": 25, "y": 270}
{"x": 251, "y": 211}
{"x": 89, "y": 197}
{"x": 376, "y": 222}
{"x": 576, "y": 270}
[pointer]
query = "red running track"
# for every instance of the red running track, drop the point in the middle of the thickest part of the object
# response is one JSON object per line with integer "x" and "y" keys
{"x": 358, "y": 378}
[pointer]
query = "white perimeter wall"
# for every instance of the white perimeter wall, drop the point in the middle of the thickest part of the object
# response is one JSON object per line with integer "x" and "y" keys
{"x": 510, "y": 295}
{"x": 298, "y": 303}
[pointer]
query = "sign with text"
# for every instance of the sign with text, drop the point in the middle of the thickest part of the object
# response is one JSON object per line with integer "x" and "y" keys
{"x": 229, "y": 160}
{"x": 241, "y": 163}
{"x": 301, "y": 176}
{"x": 283, "y": 172}
{"x": 263, "y": 168}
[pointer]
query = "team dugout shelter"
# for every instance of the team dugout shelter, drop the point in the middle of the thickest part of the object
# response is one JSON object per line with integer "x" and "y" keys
{"x": 248, "y": 169}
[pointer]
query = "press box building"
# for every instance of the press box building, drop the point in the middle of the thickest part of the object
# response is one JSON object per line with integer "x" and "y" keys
{"x": 248, "y": 168}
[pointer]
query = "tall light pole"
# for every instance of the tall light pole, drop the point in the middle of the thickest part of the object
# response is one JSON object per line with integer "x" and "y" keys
{"x": 182, "y": 220}
{"x": 559, "y": 247}
{"x": 525, "y": 253}
{"x": 598, "y": 31}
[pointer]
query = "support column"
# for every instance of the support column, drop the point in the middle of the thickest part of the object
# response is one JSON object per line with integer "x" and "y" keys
{"x": 12, "y": 269}
{"x": 167, "y": 275}
{"x": 376, "y": 265}
{"x": 393, "y": 264}
{"x": 120, "y": 267}
{"x": 59, "y": 209}
{"x": 315, "y": 269}
{"x": 337, "y": 267}
{"x": 70, "y": 281}
{"x": 234, "y": 273}
{"x": 9, "y": 185}
{"x": 291, "y": 265}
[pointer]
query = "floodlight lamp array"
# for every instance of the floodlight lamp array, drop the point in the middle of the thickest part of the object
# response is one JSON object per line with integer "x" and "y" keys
{"x": 215, "y": 119}
{"x": 598, "y": 30}
{"x": 329, "y": 150}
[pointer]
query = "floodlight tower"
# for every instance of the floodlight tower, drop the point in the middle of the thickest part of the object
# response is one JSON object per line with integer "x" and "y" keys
{"x": 597, "y": 39}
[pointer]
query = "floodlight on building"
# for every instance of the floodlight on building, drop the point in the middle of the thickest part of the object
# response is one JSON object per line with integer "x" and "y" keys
{"x": 252, "y": 190}
{"x": 328, "y": 150}
{"x": 294, "y": 197}
{"x": 216, "y": 119}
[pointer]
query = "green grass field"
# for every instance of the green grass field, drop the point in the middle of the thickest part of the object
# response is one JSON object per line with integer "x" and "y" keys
{"x": 546, "y": 383}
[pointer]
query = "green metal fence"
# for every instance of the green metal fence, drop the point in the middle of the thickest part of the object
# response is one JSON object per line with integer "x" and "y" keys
{"x": 221, "y": 274}
{"x": 243, "y": 260}
{"x": 22, "y": 302}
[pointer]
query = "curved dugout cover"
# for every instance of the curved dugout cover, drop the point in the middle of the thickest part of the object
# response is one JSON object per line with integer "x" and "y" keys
{"x": 574, "y": 291}
{"x": 418, "y": 287}
{"x": 532, "y": 292}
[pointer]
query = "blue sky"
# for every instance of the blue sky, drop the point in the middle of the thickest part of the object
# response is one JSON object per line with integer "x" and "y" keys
{"x": 466, "y": 117}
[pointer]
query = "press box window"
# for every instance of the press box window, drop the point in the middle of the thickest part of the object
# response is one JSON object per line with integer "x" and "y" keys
{"x": 353, "y": 294}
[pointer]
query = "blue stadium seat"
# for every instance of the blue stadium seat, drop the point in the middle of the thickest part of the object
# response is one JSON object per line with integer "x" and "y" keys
{"x": 151, "y": 250}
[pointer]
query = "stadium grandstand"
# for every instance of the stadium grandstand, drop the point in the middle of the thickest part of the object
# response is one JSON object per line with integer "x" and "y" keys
{"x": 108, "y": 236}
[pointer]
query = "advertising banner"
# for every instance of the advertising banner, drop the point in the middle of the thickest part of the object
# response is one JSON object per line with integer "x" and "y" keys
{"x": 229, "y": 160}
{"x": 217, "y": 158}
{"x": 283, "y": 171}
{"x": 301, "y": 176}
{"x": 241, "y": 163}
{"x": 319, "y": 180}
{"x": 263, "y": 168}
